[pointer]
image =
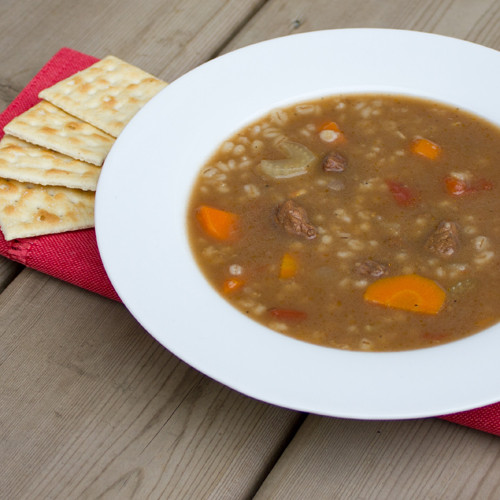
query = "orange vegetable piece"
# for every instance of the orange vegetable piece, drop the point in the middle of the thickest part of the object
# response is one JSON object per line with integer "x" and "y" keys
{"x": 330, "y": 126}
{"x": 217, "y": 223}
{"x": 335, "y": 128}
{"x": 424, "y": 147}
{"x": 232, "y": 284}
{"x": 288, "y": 267}
{"x": 458, "y": 187}
{"x": 455, "y": 186}
{"x": 410, "y": 292}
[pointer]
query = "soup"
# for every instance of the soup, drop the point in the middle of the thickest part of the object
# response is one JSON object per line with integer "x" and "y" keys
{"x": 362, "y": 222}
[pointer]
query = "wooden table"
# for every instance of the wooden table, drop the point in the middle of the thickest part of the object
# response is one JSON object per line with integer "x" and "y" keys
{"x": 92, "y": 407}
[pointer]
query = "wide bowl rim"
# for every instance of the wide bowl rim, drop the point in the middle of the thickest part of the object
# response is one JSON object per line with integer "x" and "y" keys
{"x": 216, "y": 339}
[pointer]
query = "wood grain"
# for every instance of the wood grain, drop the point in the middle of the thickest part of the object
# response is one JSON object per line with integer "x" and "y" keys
{"x": 8, "y": 271}
{"x": 475, "y": 21}
{"x": 163, "y": 38}
{"x": 93, "y": 407}
{"x": 432, "y": 459}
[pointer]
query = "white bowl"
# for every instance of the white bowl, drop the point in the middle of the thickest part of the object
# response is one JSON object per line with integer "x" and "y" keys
{"x": 141, "y": 222}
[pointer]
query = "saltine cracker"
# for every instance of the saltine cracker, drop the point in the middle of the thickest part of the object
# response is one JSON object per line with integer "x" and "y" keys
{"x": 107, "y": 94}
{"x": 26, "y": 162}
{"x": 32, "y": 210}
{"x": 50, "y": 127}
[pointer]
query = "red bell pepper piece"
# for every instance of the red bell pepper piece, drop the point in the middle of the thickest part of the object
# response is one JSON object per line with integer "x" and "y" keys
{"x": 402, "y": 194}
{"x": 288, "y": 314}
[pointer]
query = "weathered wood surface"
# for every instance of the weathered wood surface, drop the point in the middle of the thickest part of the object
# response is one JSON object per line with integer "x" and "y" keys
{"x": 336, "y": 458}
{"x": 8, "y": 271}
{"x": 92, "y": 407}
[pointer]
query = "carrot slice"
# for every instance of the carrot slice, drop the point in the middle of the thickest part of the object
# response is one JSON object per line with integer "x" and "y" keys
{"x": 232, "y": 285}
{"x": 288, "y": 267}
{"x": 410, "y": 292}
{"x": 424, "y": 147}
{"x": 455, "y": 186}
{"x": 217, "y": 223}
{"x": 330, "y": 126}
{"x": 459, "y": 187}
{"x": 338, "y": 136}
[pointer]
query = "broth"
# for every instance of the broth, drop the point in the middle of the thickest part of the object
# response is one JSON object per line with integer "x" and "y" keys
{"x": 363, "y": 222}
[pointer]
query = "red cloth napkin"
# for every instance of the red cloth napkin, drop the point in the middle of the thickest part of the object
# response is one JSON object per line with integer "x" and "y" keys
{"x": 74, "y": 257}
{"x": 485, "y": 419}
{"x": 71, "y": 256}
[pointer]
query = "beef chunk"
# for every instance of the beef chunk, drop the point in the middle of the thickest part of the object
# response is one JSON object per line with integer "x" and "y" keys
{"x": 293, "y": 218}
{"x": 334, "y": 162}
{"x": 444, "y": 240}
{"x": 371, "y": 268}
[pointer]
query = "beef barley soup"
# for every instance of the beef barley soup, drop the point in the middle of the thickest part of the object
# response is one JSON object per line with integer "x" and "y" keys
{"x": 363, "y": 222}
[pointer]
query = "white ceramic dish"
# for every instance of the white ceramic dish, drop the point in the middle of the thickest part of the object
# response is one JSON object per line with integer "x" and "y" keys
{"x": 147, "y": 179}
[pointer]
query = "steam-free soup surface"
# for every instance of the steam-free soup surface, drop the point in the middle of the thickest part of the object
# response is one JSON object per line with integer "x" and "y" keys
{"x": 364, "y": 222}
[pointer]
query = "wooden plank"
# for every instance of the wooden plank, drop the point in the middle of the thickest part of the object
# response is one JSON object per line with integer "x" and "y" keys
{"x": 8, "y": 271}
{"x": 337, "y": 458}
{"x": 164, "y": 38}
{"x": 475, "y": 21}
{"x": 91, "y": 406}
